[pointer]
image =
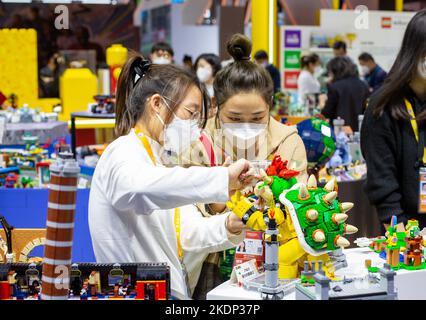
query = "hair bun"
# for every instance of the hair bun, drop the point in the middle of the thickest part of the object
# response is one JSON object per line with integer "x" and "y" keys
{"x": 239, "y": 47}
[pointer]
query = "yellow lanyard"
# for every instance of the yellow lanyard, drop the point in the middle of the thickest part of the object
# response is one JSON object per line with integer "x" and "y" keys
{"x": 148, "y": 149}
{"x": 414, "y": 124}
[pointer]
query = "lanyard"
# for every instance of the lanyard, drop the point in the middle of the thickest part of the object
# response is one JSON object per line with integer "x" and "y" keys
{"x": 148, "y": 149}
{"x": 419, "y": 137}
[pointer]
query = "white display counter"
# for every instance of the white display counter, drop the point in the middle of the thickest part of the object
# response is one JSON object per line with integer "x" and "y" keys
{"x": 411, "y": 285}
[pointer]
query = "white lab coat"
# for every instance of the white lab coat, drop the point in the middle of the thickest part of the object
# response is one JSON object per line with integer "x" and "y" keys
{"x": 306, "y": 83}
{"x": 131, "y": 210}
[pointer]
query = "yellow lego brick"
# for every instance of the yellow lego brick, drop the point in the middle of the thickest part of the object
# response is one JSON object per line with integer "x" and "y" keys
{"x": 18, "y": 67}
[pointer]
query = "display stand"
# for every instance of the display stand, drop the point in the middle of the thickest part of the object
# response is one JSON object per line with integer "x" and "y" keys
{"x": 85, "y": 115}
{"x": 409, "y": 284}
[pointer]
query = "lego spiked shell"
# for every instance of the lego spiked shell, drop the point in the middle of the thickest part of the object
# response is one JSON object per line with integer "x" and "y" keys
{"x": 318, "y": 218}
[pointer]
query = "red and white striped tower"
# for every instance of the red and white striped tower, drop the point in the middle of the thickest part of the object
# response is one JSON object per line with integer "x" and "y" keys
{"x": 59, "y": 227}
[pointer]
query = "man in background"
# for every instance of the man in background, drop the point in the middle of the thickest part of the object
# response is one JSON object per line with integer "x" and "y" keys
{"x": 261, "y": 58}
{"x": 340, "y": 49}
{"x": 373, "y": 74}
{"x": 162, "y": 53}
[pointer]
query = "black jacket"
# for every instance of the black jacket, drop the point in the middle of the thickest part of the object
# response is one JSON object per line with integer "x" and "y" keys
{"x": 346, "y": 99}
{"x": 275, "y": 75}
{"x": 391, "y": 152}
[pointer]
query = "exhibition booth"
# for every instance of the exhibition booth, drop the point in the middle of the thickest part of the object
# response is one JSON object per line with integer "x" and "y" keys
{"x": 317, "y": 239}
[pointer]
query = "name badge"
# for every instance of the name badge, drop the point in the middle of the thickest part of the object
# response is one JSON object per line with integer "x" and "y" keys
{"x": 422, "y": 190}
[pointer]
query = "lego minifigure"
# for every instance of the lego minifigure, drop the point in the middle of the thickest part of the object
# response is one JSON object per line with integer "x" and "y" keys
{"x": 84, "y": 290}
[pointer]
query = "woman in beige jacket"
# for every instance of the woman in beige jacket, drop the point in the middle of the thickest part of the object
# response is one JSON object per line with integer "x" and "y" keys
{"x": 242, "y": 128}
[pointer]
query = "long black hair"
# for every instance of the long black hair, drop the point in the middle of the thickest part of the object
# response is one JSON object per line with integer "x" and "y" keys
{"x": 243, "y": 75}
{"x": 404, "y": 69}
{"x": 212, "y": 59}
{"x": 341, "y": 68}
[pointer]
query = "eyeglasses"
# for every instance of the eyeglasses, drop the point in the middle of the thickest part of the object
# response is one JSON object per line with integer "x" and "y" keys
{"x": 193, "y": 115}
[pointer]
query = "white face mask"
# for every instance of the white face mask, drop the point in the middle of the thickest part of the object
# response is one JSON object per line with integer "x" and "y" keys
{"x": 244, "y": 131}
{"x": 422, "y": 68}
{"x": 204, "y": 73}
{"x": 318, "y": 71}
{"x": 179, "y": 134}
{"x": 365, "y": 70}
{"x": 161, "y": 60}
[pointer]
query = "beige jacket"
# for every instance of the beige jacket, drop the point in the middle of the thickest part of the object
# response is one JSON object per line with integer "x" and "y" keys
{"x": 279, "y": 139}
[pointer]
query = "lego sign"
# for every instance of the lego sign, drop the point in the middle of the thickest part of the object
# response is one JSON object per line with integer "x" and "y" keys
{"x": 292, "y": 38}
{"x": 290, "y": 79}
{"x": 386, "y": 22}
{"x": 292, "y": 59}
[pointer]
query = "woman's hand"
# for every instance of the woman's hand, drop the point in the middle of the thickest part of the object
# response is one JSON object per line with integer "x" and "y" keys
{"x": 234, "y": 224}
{"x": 241, "y": 175}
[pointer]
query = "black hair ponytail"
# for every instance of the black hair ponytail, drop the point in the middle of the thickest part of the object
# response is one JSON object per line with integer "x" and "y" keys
{"x": 139, "y": 80}
{"x": 243, "y": 75}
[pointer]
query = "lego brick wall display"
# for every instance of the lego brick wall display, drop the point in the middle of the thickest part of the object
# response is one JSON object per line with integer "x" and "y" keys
{"x": 292, "y": 59}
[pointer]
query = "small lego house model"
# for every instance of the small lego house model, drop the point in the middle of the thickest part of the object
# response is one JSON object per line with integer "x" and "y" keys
{"x": 413, "y": 252}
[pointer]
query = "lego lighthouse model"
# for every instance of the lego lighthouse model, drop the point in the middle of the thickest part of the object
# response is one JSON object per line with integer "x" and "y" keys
{"x": 59, "y": 227}
{"x": 271, "y": 289}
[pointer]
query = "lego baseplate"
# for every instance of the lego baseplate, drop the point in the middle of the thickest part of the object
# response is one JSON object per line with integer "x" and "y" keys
{"x": 287, "y": 286}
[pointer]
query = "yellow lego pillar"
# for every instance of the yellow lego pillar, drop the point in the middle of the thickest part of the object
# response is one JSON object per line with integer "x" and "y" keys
{"x": 399, "y": 5}
{"x": 264, "y": 27}
{"x": 18, "y": 64}
{"x": 77, "y": 88}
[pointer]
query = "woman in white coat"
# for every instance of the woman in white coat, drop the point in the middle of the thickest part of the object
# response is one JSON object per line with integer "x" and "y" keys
{"x": 140, "y": 210}
{"x": 307, "y": 83}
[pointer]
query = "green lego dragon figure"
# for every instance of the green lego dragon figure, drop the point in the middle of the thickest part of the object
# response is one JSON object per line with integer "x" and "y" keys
{"x": 310, "y": 219}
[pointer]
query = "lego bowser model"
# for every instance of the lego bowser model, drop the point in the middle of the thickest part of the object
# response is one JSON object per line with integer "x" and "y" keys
{"x": 310, "y": 219}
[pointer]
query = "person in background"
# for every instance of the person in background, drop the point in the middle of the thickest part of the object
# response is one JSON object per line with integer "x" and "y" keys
{"x": 242, "y": 128}
{"x": 261, "y": 58}
{"x": 162, "y": 53}
{"x": 340, "y": 49}
{"x": 187, "y": 62}
{"x": 391, "y": 144}
{"x": 49, "y": 78}
{"x": 371, "y": 71}
{"x": 346, "y": 93}
{"x": 307, "y": 83}
{"x": 82, "y": 35}
{"x": 207, "y": 66}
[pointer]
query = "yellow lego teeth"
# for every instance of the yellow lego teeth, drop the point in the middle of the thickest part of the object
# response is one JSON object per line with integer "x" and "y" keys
{"x": 312, "y": 215}
{"x": 318, "y": 235}
{"x": 330, "y": 197}
{"x": 339, "y": 218}
{"x": 346, "y": 206}
{"x": 330, "y": 185}
{"x": 303, "y": 192}
{"x": 312, "y": 182}
{"x": 341, "y": 242}
{"x": 350, "y": 229}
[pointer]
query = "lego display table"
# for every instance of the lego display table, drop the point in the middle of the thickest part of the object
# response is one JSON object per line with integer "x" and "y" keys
{"x": 110, "y": 117}
{"x": 410, "y": 284}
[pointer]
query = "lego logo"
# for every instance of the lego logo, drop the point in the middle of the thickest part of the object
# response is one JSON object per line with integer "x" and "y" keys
{"x": 386, "y": 22}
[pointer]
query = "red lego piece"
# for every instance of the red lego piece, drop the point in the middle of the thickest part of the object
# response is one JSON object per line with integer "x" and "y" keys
{"x": 279, "y": 168}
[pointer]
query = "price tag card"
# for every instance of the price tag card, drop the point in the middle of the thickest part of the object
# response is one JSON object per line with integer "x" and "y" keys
{"x": 244, "y": 272}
